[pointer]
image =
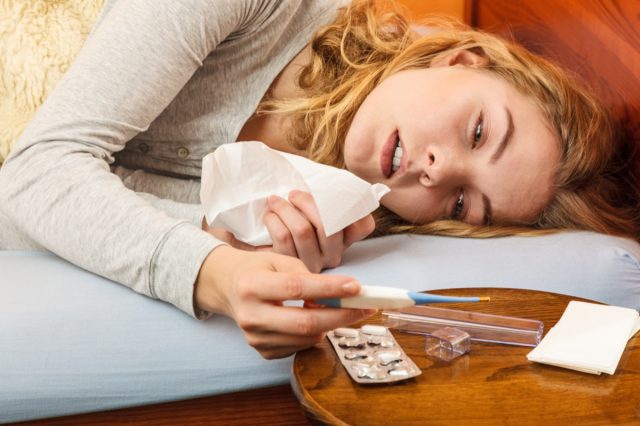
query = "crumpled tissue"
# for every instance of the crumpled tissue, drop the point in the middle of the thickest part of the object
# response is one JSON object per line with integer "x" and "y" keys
{"x": 238, "y": 178}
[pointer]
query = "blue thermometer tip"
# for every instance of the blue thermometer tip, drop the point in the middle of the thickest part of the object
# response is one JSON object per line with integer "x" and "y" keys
{"x": 330, "y": 302}
{"x": 422, "y": 298}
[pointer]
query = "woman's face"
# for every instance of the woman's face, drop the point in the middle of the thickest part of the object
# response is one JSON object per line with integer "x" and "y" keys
{"x": 454, "y": 142}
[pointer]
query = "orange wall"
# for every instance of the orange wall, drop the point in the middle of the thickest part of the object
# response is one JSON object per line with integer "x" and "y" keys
{"x": 420, "y": 8}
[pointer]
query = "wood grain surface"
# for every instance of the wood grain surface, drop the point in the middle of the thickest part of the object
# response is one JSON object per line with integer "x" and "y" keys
{"x": 274, "y": 406}
{"x": 599, "y": 40}
{"x": 493, "y": 384}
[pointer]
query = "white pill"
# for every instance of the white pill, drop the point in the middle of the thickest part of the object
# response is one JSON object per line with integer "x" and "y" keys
{"x": 387, "y": 343}
{"x": 376, "y": 330}
{"x": 364, "y": 363}
{"x": 345, "y": 332}
{"x": 389, "y": 356}
{"x": 350, "y": 342}
{"x": 399, "y": 372}
{"x": 374, "y": 340}
{"x": 373, "y": 373}
{"x": 356, "y": 354}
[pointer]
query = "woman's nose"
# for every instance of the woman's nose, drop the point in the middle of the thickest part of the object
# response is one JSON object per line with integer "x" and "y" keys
{"x": 438, "y": 168}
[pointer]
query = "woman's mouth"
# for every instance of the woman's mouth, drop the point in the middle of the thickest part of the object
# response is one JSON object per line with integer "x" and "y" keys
{"x": 397, "y": 157}
{"x": 392, "y": 152}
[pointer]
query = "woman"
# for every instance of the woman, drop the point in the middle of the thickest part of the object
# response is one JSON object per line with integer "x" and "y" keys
{"x": 466, "y": 130}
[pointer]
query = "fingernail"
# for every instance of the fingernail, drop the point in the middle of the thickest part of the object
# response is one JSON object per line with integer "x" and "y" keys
{"x": 350, "y": 287}
{"x": 272, "y": 199}
{"x": 370, "y": 312}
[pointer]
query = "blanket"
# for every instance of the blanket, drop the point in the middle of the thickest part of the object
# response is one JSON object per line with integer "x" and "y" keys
{"x": 38, "y": 41}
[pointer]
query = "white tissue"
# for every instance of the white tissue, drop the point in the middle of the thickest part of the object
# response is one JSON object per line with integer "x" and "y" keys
{"x": 589, "y": 338}
{"x": 238, "y": 178}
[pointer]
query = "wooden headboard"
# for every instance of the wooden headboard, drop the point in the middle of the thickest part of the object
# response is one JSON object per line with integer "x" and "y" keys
{"x": 597, "y": 39}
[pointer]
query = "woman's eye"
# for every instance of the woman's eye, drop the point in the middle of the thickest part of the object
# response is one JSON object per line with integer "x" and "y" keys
{"x": 459, "y": 206}
{"x": 477, "y": 131}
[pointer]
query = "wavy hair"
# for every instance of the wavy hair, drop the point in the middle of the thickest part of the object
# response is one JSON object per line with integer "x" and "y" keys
{"x": 370, "y": 40}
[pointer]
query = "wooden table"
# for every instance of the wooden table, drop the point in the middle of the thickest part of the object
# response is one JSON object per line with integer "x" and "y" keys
{"x": 494, "y": 384}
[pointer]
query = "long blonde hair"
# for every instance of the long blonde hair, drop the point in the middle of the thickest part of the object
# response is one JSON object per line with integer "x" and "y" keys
{"x": 369, "y": 41}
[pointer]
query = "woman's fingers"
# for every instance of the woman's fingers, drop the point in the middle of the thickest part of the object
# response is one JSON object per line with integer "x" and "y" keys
{"x": 294, "y": 226}
{"x": 358, "y": 230}
{"x": 330, "y": 247}
{"x": 304, "y": 322}
{"x": 280, "y": 286}
{"x": 296, "y": 230}
{"x": 294, "y": 285}
{"x": 275, "y": 330}
{"x": 282, "y": 240}
{"x": 284, "y": 344}
{"x": 290, "y": 329}
{"x": 250, "y": 288}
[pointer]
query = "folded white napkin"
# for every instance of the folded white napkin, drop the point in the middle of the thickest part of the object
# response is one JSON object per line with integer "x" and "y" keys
{"x": 589, "y": 338}
{"x": 238, "y": 178}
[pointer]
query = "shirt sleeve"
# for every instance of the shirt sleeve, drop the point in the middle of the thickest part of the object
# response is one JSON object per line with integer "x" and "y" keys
{"x": 57, "y": 186}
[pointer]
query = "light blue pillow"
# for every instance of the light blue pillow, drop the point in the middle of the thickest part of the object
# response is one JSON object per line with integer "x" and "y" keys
{"x": 73, "y": 342}
{"x": 582, "y": 264}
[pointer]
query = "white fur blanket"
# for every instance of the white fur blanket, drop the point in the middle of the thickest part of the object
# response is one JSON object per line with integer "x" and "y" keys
{"x": 38, "y": 41}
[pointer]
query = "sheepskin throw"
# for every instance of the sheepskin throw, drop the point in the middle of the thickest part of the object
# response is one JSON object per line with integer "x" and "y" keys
{"x": 38, "y": 41}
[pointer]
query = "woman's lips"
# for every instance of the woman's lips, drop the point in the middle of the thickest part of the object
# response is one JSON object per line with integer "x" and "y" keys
{"x": 386, "y": 155}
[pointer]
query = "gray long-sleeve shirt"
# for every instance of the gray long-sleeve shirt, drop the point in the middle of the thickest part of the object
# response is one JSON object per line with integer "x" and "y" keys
{"x": 107, "y": 174}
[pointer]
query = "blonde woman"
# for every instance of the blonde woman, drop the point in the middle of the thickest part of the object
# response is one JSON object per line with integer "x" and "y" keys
{"x": 474, "y": 136}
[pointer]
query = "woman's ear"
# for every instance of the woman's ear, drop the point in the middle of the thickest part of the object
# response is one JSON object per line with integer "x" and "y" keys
{"x": 462, "y": 57}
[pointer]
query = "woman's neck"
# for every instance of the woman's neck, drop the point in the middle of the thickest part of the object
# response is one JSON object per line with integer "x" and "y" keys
{"x": 272, "y": 129}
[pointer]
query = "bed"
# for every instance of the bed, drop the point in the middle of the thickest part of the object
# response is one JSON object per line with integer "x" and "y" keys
{"x": 61, "y": 357}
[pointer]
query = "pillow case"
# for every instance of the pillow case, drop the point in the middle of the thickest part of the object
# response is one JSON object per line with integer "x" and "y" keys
{"x": 583, "y": 264}
{"x": 74, "y": 342}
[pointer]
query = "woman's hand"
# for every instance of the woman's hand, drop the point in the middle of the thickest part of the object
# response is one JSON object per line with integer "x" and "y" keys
{"x": 250, "y": 288}
{"x": 296, "y": 230}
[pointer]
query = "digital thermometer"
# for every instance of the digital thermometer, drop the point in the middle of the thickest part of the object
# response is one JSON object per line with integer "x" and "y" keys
{"x": 392, "y": 298}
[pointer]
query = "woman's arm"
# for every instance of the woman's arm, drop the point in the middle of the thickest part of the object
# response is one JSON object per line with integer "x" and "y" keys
{"x": 178, "y": 198}
{"x": 56, "y": 186}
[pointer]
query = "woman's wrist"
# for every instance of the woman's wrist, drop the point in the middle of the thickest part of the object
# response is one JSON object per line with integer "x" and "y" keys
{"x": 209, "y": 294}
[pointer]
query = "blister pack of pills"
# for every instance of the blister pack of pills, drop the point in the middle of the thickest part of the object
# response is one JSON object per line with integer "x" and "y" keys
{"x": 372, "y": 355}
